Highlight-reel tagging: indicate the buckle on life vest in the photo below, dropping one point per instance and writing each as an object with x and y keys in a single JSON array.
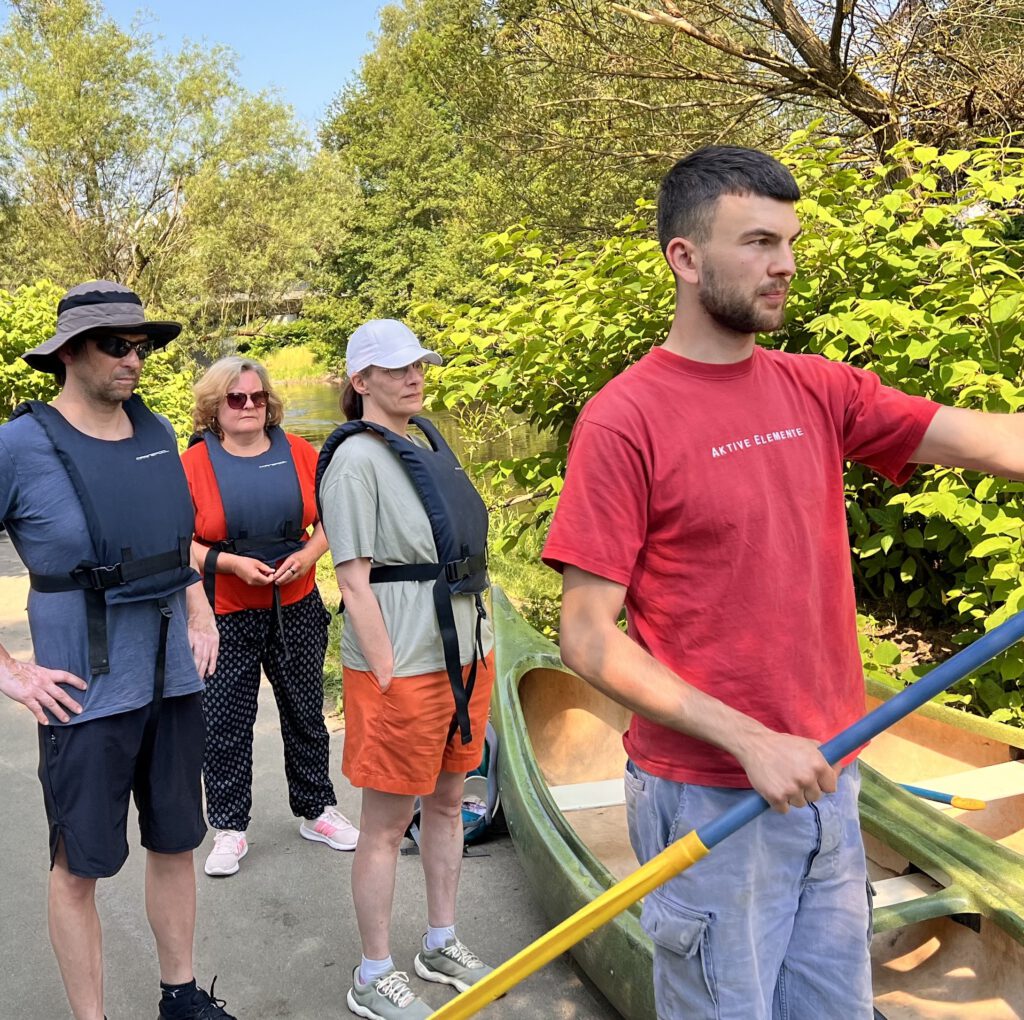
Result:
[
  {"x": 456, "y": 570},
  {"x": 99, "y": 578}
]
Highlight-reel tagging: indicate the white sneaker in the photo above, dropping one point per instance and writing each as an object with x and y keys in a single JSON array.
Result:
[
  {"x": 332, "y": 828},
  {"x": 229, "y": 847}
]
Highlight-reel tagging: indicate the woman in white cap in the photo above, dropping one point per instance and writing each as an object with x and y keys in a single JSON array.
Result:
[{"x": 407, "y": 533}]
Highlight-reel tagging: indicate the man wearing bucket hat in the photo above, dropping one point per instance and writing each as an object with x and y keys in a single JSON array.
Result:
[{"x": 95, "y": 500}]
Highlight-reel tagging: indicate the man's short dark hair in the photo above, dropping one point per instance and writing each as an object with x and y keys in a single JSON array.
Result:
[{"x": 692, "y": 188}]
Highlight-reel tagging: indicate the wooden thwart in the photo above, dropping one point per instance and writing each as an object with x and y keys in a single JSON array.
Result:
[
  {"x": 579, "y": 796},
  {"x": 890, "y": 892},
  {"x": 990, "y": 782}
]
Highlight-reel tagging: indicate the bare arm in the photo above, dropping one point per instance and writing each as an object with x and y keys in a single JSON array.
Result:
[
  {"x": 958, "y": 437},
  {"x": 203, "y": 636},
  {"x": 786, "y": 770},
  {"x": 37, "y": 687},
  {"x": 362, "y": 612}
]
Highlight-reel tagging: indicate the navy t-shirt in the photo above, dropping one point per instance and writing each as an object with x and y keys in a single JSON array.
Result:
[{"x": 43, "y": 516}]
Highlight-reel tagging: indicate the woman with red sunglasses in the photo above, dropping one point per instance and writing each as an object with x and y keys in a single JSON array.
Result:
[{"x": 257, "y": 542}]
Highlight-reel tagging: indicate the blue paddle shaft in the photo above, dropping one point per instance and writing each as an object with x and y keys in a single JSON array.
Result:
[{"x": 881, "y": 718}]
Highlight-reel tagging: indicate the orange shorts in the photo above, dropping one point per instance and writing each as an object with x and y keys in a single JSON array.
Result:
[{"x": 397, "y": 742}]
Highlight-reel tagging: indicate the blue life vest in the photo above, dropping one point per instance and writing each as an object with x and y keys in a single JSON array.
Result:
[
  {"x": 261, "y": 497},
  {"x": 138, "y": 513},
  {"x": 458, "y": 521},
  {"x": 262, "y": 502}
]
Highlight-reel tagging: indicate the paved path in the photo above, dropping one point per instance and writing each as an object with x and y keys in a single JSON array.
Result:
[{"x": 280, "y": 934}]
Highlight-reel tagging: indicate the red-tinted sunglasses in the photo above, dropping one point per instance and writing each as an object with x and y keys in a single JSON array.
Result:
[{"x": 236, "y": 401}]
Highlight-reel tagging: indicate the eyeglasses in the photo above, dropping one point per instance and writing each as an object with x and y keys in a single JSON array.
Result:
[
  {"x": 118, "y": 347},
  {"x": 236, "y": 401},
  {"x": 417, "y": 368}
]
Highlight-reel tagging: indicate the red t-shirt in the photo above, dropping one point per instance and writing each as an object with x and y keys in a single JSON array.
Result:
[
  {"x": 233, "y": 594},
  {"x": 714, "y": 493}
]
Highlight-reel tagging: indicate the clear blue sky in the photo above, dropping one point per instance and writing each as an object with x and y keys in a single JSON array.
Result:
[{"x": 305, "y": 49}]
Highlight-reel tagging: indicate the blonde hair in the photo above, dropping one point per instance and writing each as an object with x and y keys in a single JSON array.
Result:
[{"x": 216, "y": 382}]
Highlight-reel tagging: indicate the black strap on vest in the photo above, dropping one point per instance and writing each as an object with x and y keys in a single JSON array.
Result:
[
  {"x": 442, "y": 576},
  {"x": 94, "y": 579},
  {"x": 237, "y": 546},
  {"x": 463, "y": 575},
  {"x": 159, "y": 674}
]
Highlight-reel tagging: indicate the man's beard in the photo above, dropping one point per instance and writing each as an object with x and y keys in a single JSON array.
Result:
[
  {"x": 734, "y": 311},
  {"x": 110, "y": 392}
]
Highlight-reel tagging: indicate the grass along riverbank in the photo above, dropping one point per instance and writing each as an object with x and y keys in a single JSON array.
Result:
[{"x": 293, "y": 365}]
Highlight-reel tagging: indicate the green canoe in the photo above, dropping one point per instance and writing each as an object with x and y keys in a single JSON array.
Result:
[{"x": 949, "y": 903}]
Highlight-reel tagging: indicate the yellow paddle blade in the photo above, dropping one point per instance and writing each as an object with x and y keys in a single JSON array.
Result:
[
  {"x": 968, "y": 804},
  {"x": 672, "y": 860}
]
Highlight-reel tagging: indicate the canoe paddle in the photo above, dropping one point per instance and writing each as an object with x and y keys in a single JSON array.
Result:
[
  {"x": 699, "y": 842},
  {"x": 964, "y": 803}
]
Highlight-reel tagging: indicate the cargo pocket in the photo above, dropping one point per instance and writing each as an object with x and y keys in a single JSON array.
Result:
[{"x": 684, "y": 975}]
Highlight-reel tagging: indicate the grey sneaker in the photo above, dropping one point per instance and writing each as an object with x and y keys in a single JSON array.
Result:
[
  {"x": 387, "y": 998},
  {"x": 454, "y": 964}
]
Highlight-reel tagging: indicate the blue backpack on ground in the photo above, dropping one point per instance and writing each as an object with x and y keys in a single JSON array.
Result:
[{"x": 481, "y": 804}]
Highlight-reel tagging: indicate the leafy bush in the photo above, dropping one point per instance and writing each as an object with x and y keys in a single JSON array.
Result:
[
  {"x": 28, "y": 316},
  {"x": 912, "y": 269}
]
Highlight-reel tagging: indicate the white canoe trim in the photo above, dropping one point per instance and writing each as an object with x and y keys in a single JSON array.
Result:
[{"x": 580, "y": 796}]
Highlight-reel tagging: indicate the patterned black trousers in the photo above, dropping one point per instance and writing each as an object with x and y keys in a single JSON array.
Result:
[{"x": 250, "y": 639}]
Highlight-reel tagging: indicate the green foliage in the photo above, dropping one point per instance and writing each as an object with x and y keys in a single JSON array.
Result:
[
  {"x": 28, "y": 316},
  {"x": 916, "y": 275},
  {"x": 919, "y": 280},
  {"x": 565, "y": 324},
  {"x": 154, "y": 169}
]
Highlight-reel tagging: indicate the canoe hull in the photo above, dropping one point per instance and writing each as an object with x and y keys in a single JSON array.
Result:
[
  {"x": 926, "y": 964},
  {"x": 565, "y": 875}
]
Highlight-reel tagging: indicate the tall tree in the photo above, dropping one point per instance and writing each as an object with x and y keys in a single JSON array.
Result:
[
  {"x": 943, "y": 72},
  {"x": 157, "y": 171}
]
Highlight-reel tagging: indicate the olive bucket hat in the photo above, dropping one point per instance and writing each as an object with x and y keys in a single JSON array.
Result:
[{"x": 94, "y": 307}]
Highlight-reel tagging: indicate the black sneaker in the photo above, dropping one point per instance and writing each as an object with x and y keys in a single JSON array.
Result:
[{"x": 204, "y": 1006}]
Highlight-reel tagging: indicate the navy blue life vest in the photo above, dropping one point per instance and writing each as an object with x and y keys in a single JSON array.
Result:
[
  {"x": 262, "y": 501},
  {"x": 138, "y": 513},
  {"x": 458, "y": 521}
]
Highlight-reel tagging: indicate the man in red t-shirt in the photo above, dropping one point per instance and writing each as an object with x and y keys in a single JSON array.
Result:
[{"x": 704, "y": 492}]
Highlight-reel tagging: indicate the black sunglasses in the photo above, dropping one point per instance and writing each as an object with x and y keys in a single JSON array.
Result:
[
  {"x": 236, "y": 401},
  {"x": 118, "y": 347}
]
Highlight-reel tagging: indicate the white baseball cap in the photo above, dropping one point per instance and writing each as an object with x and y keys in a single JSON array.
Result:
[{"x": 387, "y": 343}]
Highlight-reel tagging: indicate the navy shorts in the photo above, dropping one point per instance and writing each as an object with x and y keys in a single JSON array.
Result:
[{"x": 89, "y": 770}]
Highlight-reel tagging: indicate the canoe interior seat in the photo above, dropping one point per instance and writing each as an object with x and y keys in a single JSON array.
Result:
[
  {"x": 991, "y": 782},
  {"x": 892, "y": 891},
  {"x": 580, "y": 796}
]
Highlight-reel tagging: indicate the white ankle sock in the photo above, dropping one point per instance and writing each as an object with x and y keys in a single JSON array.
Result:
[
  {"x": 438, "y": 938},
  {"x": 370, "y": 970}
]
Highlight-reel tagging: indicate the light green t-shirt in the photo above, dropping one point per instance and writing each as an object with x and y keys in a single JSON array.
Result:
[{"x": 371, "y": 509}]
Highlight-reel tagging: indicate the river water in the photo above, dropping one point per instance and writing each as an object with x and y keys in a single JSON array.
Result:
[{"x": 312, "y": 410}]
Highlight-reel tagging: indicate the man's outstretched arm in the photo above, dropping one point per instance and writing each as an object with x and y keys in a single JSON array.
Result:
[{"x": 958, "y": 437}]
